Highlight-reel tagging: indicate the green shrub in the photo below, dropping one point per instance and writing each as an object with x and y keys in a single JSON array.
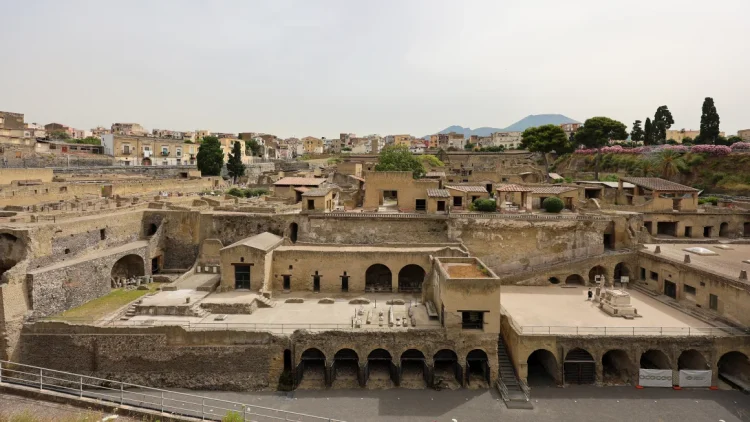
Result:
[
  {"x": 236, "y": 192},
  {"x": 249, "y": 193},
  {"x": 486, "y": 205},
  {"x": 232, "y": 417},
  {"x": 553, "y": 204},
  {"x": 610, "y": 178},
  {"x": 709, "y": 200}
]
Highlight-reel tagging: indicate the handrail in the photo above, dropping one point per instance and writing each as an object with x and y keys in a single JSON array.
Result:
[
  {"x": 716, "y": 331},
  {"x": 121, "y": 393},
  {"x": 525, "y": 388},
  {"x": 503, "y": 389}
]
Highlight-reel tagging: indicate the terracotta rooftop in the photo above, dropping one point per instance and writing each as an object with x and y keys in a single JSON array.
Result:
[
  {"x": 655, "y": 183},
  {"x": 303, "y": 190},
  {"x": 512, "y": 188},
  {"x": 438, "y": 193},
  {"x": 300, "y": 181},
  {"x": 468, "y": 188},
  {"x": 552, "y": 190}
]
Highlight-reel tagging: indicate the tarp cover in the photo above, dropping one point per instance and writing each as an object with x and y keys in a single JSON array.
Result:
[
  {"x": 655, "y": 378},
  {"x": 695, "y": 378}
]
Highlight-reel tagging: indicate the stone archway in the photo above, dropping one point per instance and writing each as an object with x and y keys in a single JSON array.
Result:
[
  {"x": 12, "y": 251},
  {"x": 312, "y": 369},
  {"x": 128, "y": 266},
  {"x": 477, "y": 369},
  {"x": 617, "y": 368},
  {"x": 622, "y": 270},
  {"x": 542, "y": 368},
  {"x": 414, "y": 373},
  {"x": 345, "y": 368},
  {"x": 597, "y": 270},
  {"x": 410, "y": 279},
  {"x": 655, "y": 359},
  {"x": 692, "y": 359},
  {"x": 575, "y": 279},
  {"x": 378, "y": 278},
  {"x": 446, "y": 368},
  {"x": 724, "y": 229},
  {"x": 579, "y": 367},
  {"x": 380, "y": 369},
  {"x": 734, "y": 366},
  {"x": 293, "y": 229}
]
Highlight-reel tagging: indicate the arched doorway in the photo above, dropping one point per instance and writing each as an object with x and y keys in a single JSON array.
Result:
[
  {"x": 724, "y": 230},
  {"x": 413, "y": 369},
  {"x": 542, "y": 369},
  {"x": 575, "y": 279},
  {"x": 345, "y": 371},
  {"x": 477, "y": 369},
  {"x": 733, "y": 367},
  {"x": 293, "y": 228},
  {"x": 655, "y": 359},
  {"x": 151, "y": 229},
  {"x": 380, "y": 369},
  {"x": 378, "y": 278},
  {"x": 617, "y": 368},
  {"x": 312, "y": 369},
  {"x": 12, "y": 251},
  {"x": 554, "y": 280},
  {"x": 410, "y": 279},
  {"x": 286, "y": 379},
  {"x": 128, "y": 266},
  {"x": 622, "y": 270},
  {"x": 596, "y": 271},
  {"x": 447, "y": 371},
  {"x": 692, "y": 359},
  {"x": 579, "y": 367}
]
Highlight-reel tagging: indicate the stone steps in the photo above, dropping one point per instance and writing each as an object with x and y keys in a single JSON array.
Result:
[
  {"x": 515, "y": 399},
  {"x": 266, "y": 302}
]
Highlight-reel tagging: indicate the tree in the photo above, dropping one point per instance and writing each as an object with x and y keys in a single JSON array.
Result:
[
  {"x": 670, "y": 163},
  {"x": 544, "y": 139},
  {"x": 210, "y": 158},
  {"x": 89, "y": 140},
  {"x": 398, "y": 158},
  {"x": 709, "y": 123},
  {"x": 253, "y": 147},
  {"x": 648, "y": 132},
  {"x": 687, "y": 141},
  {"x": 636, "y": 134},
  {"x": 58, "y": 134},
  {"x": 597, "y": 132},
  {"x": 662, "y": 121},
  {"x": 442, "y": 155},
  {"x": 235, "y": 168},
  {"x": 733, "y": 139}
]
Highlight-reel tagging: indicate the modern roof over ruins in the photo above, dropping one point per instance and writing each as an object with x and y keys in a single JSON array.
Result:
[
  {"x": 300, "y": 181},
  {"x": 512, "y": 188},
  {"x": 264, "y": 241}
]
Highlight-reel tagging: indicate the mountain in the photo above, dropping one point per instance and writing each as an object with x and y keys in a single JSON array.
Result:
[{"x": 519, "y": 126}]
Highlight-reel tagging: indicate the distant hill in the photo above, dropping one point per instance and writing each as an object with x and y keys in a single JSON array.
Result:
[{"x": 519, "y": 126}]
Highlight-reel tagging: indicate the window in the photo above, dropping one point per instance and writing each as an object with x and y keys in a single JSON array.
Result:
[
  {"x": 458, "y": 201},
  {"x": 310, "y": 204},
  {"x": 287, "y": 282},
  {"x": 472, "y": 320},
  {"x": 688, "y": 289},
  {"x": 703, "y": 284},
  {"x": 421, "y": 205},
  {"x": 654, "y": 276},
  {"x": 164, "y": 150},
  {"x": 441, "y": 205},
  {"x": 103, "y": 234},
  {"x": 713, "y": 302},
  {"x": 178, "y": 152}
]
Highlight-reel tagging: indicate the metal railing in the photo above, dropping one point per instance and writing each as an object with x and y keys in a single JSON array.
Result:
[
  {"x": 633, "y": 331},
  {"x": 503, "y": 389},
  {"x": 155, "y": 399},
  {"x": 202, "y": 326}
]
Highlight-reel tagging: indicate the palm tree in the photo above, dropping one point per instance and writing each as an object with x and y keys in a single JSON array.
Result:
[
  {"x": 647, "y": 167},
  {"x": 670, "y": 163}
]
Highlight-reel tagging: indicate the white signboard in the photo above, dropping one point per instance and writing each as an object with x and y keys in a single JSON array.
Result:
[
  {"x": 655, "y": 378},
  {"x": 693, "y": 378},
  {"x": 624, "y": 279}
]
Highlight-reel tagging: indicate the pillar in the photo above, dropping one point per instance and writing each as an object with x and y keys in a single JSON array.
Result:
[
  {"x": 599, "y": 368},
  {"x": 361, "y": 374},
  {"x": 430, "y": 368},
  {"x": 328, "y": 374},
  {"x": 397, "y": 375}
]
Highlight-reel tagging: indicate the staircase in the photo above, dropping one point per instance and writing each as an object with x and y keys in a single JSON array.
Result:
[
  {"x": 513, "y": 391},
  {"x": 264, "y": 302},
  {"x": 131, "y": 311}
]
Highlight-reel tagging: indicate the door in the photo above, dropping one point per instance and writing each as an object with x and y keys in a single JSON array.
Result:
[
  {"x": 287, "y": 282},
  {"x": 441, "y": 205},
  {"x": 713, "y": 302},
  {"x": 344, "y": 282},
  {"x": 241, "y": 276},
  {"x": 316, "y": 282},
  {"x": 670, "y": 289}
]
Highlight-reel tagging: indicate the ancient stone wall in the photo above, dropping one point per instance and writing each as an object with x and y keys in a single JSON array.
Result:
[
  {"x": 368, "y": 231},
  {"x": 9, "y": 175}
]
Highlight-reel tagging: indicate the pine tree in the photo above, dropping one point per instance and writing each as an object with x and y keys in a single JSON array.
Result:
[
  {"x": 597, "y": 132},
  {"x": 210, "y": 159},
  {"x": 662, "y": 122},
  {"x": 709, "y": 123},
  {"x": 235, "y": 168},
  {"x": 636, "y": 135},
  {"x": 648, "y": 132}
]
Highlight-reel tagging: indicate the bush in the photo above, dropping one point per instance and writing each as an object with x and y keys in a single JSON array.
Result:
[
  {"x": 236, "y": 192},
  {"x": 486, "y": 205},
  {"x": 709, "y": 200},
  {"x": 553, "y": 204},
  {"x": 247, "y": 193},
  {"x": 232, "y": 417}
]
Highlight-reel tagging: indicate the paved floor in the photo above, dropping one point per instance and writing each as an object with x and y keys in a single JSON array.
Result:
[
  {"x": 16, "y": 407},
  {"x": 573, "y": 404},
  {"x": 561, "y": 307},
  {"x": 727, "y": 262}
]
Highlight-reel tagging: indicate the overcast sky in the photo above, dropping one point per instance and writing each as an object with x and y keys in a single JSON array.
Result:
[{"x": 299, "y": 68}]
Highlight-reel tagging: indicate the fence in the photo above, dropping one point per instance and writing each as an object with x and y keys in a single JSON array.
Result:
[
  {"x": 139, "y": 396},
  {"x": 633, "y": 331}
]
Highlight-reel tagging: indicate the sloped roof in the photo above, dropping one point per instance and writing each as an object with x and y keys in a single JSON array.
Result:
[
  {"x": 658, "y": 184},
  {"x": 438, "y": 193},
  {"x": 552, "y": 190},
  {"x": 468, "y": 188},
  {"x": 512, "y": 188},
  {"x": 435, "y": 174},
  {"x": 607, "y": 184},
  {"x": 317, "y": 192},
  {"x": 555, "y": 176},
  {"x": 300, "y": 181},
  {"x": 264, "y": 242}
]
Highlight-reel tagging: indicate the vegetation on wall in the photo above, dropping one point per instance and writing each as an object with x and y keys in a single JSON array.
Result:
[
  {"x": 398, "y": 158},
  {"x": 431, "y": 160}
]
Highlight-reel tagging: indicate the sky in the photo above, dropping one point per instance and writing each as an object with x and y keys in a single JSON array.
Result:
[{"x": 319, "y": 68}]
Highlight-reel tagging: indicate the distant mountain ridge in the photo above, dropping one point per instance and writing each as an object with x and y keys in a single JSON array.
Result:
[{"x": 519, "y": 126}]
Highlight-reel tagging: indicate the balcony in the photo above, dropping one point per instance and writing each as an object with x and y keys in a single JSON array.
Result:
[
  {"x": 126, "y": 152},
  {"x": 165, "y": 153}
]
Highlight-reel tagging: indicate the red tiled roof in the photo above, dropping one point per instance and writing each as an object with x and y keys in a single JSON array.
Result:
[
  {"x": 655, "y": 183},
  {"x": 300, "y": 181},
  {"x": 438, "y": 193},
  {"x": 512, "y": 188},
  {"x": 468, "y": 188},
  {"x": 551, "y": 190}
]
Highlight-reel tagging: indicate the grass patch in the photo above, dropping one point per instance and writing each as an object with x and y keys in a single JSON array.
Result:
[{"x": 98, "y": 308}]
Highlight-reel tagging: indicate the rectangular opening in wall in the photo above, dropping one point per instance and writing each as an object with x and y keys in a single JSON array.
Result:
[
  {"x": 666, "y": 228},
  {"x": 241, "y": 276},
  {"x": 287, "y": 282},
  {"x": 688, "y": 231},
  {"x": 441, "y": 205},
  {"x": 472, "y": 320},
  {"x": 103, "y": 234},
  {"x": 310, "y": 204},
  {"x": 643, "y": 273},
  {"x": 654, "y": 276},
  {"x": 647, "y": 225},
  {"x": 458, "y": 201},
  {"x": 421, "y": 205},
  {"x": 708, "y": 231},
  {"x": 689, "y": 290},
  {"x": 713, "y": 302}
]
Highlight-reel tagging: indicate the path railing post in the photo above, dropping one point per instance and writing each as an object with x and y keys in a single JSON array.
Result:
[
  {"x": 80, "y": 387},
  {"x": 41, "y": 379}
]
